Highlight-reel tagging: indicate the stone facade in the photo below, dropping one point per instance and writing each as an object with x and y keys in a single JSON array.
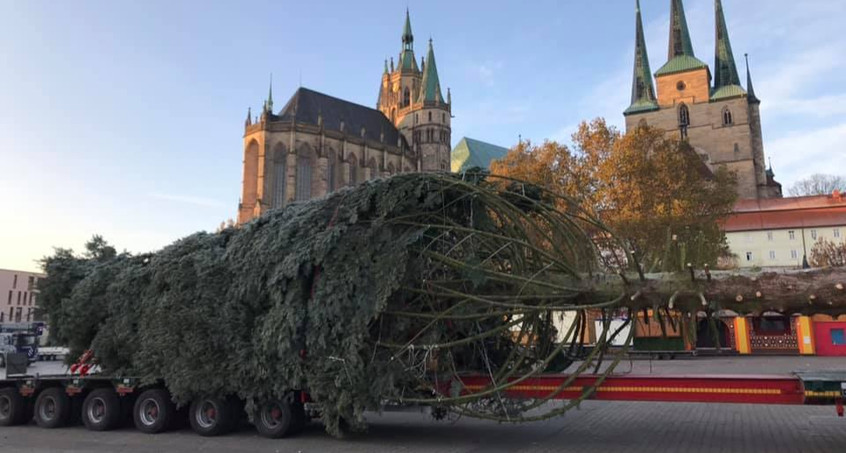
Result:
[
  {"x": 721, "y": 121},
  {"x": 317, "y": 143}
]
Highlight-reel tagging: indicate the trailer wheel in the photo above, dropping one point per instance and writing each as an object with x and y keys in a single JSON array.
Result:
[
  {"x": 276, "y": 419},
  {"x": 12, "y": 407},
  {"x": 211, "y": 416},
  {"x": 154, "y": 412},
  {"x": 101, "y": 410},
  {"x": 52, "y": 408}
]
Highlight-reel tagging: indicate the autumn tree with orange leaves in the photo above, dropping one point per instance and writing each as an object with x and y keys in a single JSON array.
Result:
[{"x": 654, "y": 192}]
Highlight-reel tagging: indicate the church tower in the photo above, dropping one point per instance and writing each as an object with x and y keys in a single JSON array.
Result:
[
  {"x": 411, "y": 97},
  {"x": 721, "y": 121}
]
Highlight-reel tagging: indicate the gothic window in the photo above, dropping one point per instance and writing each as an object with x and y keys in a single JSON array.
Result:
[
  {"x": 406, "y": 97},
  {"x": 727, "y": 118},
  {"x": 303, "y": 191},
  {"x": 280, "y": 178},
  {"x": 353, "y": 171},
  {"x": 684, "y": 120},
  {"x": 251, "y": 161},
  {"x": 443, "y": 118},
  {"x": 430, "y": 117},
  {"x": 331, "y": 172}
]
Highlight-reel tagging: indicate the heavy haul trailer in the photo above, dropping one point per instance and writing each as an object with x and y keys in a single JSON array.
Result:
[{"x": 104, "y": 403}]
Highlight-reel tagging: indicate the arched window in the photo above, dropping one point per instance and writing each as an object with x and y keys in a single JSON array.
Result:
[
  {"x": 352, "y": 177},
  {"x": 430, "y": 117},
  {"x": 304, "y": 165},
  {"x": 280, "y": 176},
  {"x": 727, "y": 117},
  {"x": 251, "y": 161},
  {"x": 332, "y": 172},
  {"x": 684, "y": 121},
  {"x": 406, "y": 97}
]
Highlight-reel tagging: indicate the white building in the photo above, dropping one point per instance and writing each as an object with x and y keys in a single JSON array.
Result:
[
  {"x": 18, "y": 295},
  {"x": 781, "y": 232}
]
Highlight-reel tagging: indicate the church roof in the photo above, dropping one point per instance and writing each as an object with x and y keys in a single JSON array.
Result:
[
  {"x": 431, "y": 91},
  {"x": 726, "y": 77},
  {"x": 471, "y": 153},
  {"x": 680, "y": 56},
  {"x": 643, "y": 90},
  {"x": 306, "y": 106}
]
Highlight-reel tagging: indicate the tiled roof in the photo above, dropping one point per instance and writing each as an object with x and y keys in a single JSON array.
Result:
[
  {"x": 728, "y": 92},
  {"x": 471, "y": 153},
  {"x": 307, "y": 105},
  {"x": 784, "y": 213}
]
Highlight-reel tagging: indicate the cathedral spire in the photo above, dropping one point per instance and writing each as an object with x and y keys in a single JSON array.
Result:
[
  {"x": 407, "y": 35},
  {"x": 749, "y": 88},
  {"x": 407, "y": 62},
  {"x": 431, "y": 91},
  {"x": 270, "y": 95},
  {"x": 680, "y": 43},
  {"x": 643, "y": 90},
  {"x": 725, "y": 69}
]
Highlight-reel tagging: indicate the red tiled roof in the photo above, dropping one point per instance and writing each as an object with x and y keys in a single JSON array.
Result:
[{"x": 783, "y": 213}]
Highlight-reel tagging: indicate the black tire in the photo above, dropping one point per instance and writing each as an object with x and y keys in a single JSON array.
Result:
[
  {"x": 211, "y": 416},
  {"x": 101, "y": 410},
  {"x": 52, "y": 408},
  {"x": 275, "y": 419},
  {"x": 154, "y": 412},
  {"x": 12, "y": 407}
]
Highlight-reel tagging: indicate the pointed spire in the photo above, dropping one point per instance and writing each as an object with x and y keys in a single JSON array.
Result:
[
  {"x": 270, "y": 95},
  {"x": 386, "y": 67},
  {"x": 407, "y": 63},
  {"x": 680, "y": 55},
  {"x": 407, "y": 36},
  {"x": 725, "y": 69},
  {"x": 249, "y": 120},
  {"x": 431, "y": 91},
  {"x": 749, "y": 88},
  {"x": 680, "y": 43},
  {"x": 643, "y": 90}
]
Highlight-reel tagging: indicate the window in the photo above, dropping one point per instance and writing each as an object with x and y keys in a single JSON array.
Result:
[
  {"x": 837, "y": 337},
  {"x": 727, "y": 118},
  {"x": 772, "y": 325},
  {"x": 430, "y": 117},
  {"x": 406, "y": 97},
  {"x": 794, "y": 255},
  {"x": 31, "y": 282},
  {"x": 748, "y": 256},
  {"x": 792, "y": 235},
  {"x": 19, "y": 298},
  {"x": 280, "y": 181},
  {"x": 353, "y": 176},
  {"x": 15, "y": 282},
  {"x": 443, "y": 118},
  {"x": 10, "y": 297},
  {"x": 2, "y": 316},
  {"x": 303, "y": 191},
  {"x": 813, "y": 234},
  {"x": 836, "y": 232},
  {"x": 11, "y": 313},
  {"x": 770, "y": 236},
  {"x": 330, "y": 173},
  {"x": 772, "y": 255},
  {"x": 684, "y": 120}
]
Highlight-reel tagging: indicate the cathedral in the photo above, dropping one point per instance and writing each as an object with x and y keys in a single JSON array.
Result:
[
  {"x": 711, "y": 111},
  {"x": 318, "y": 143}
]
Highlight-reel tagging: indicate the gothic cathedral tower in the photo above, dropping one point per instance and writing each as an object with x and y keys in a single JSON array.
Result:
[
  {"x": 411, "y": 97},
  {"x": 721, "y": 121}
]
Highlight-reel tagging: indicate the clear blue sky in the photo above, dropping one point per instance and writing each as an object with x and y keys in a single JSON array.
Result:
[{"x": 125, "y": 118}]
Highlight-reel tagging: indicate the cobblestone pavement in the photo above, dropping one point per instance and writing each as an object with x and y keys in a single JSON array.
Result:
[{"x": 596, "y": 427}]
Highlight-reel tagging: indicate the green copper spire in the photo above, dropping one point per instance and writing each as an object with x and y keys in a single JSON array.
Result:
[
  {"x": 680, "y": 43},
  {"x": 407, "y": 62},
  {"x": 407, "y": 36},
  {"x": 680, "y": 56},
  {"x": 643, "y": 90},
  {"x": 749, "y": 88},
  {"x": 725, "y": 69},
  {"x": 431, "y": 91}
]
